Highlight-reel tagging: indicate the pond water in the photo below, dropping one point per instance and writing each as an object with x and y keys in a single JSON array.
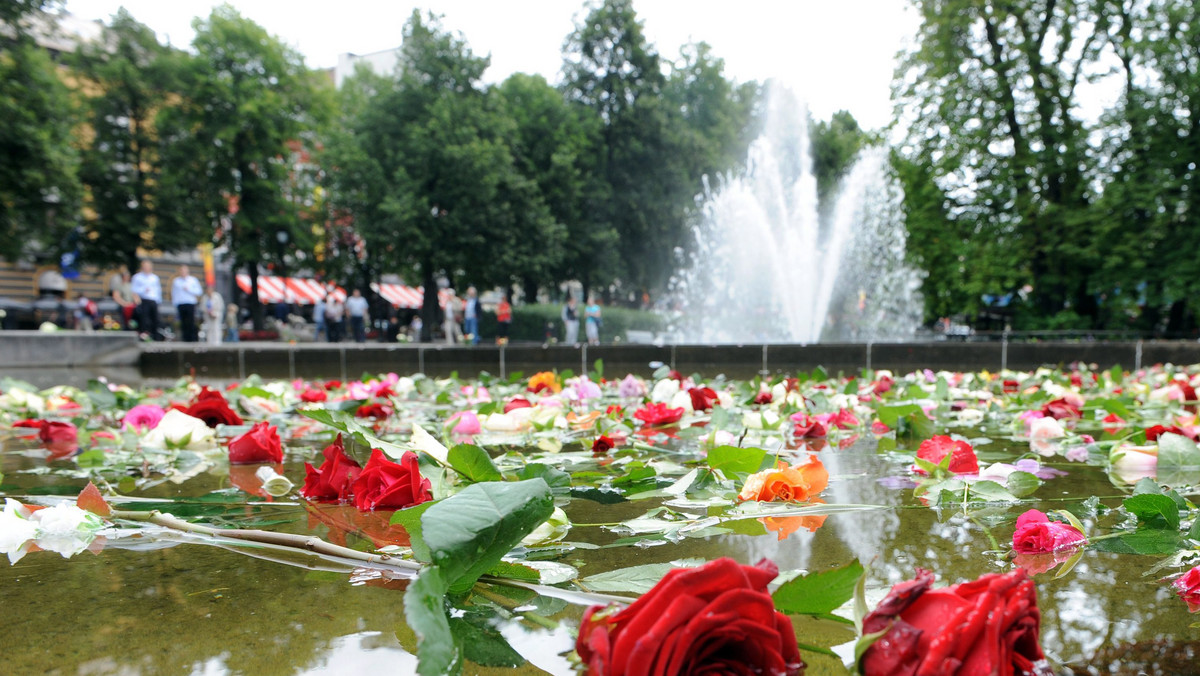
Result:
[{"x": 191, "y": 605}]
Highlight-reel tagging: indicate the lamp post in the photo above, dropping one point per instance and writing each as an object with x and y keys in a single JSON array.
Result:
[{"x": 281, "y": 238}]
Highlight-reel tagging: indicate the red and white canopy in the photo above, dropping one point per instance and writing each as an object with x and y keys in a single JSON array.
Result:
[
  {"x": 301, "y": 291},
  {"x": 402, "y": 296}
]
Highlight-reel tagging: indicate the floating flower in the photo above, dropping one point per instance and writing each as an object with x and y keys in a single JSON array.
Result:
[
  {"x": 384, "y": 484},
  {"x": 333, "y": 480},
  {"x": 986, "y": 626},
  {"x": 1042, "y": 435},
  {"x": 1132, "y": 463},
  {"x": 1068, "y": 407},
  {"x": 658, "y": 414},
  {"x": 260, "y": 444},
  {"x": 142, "y": 417},
  {"x": 373, "y": 410},
  {"x": 313, "y": 395},
  {"x": 703, "y": 398},
  {"x": 715, "y": 619},
  {"x": 544, "y": 381},
  {"x": 465, "y": 423},
  {"x": 631, "y": 387},
  {"x": 1037, "y": 534},
  {"x": 1113, "y": 423},
  {"x": 787, "y": 484},
  {"x": 962, "y": 460},
  {"x": 515, "y": 403},
  {"x": 808, "y": 427},
  {"x": 179, "y": 430},
  {"x": 211, "y": 407},
  {"x": 61, "y": 438},
  {"x": 1187, "y": 586},
  {"x": 603, "y": 444}
]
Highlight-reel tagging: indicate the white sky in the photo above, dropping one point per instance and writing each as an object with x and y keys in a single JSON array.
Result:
[{"x": 839, "y": 53}]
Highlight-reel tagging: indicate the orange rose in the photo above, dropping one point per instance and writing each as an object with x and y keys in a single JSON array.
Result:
[
  {"x": 784, "y": 526},
  {"x": 546, "y": 380},
  {"x": 787, "y": 484},
  {"x": 582, "y": 422}
]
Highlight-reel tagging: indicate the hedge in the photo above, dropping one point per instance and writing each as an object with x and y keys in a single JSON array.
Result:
[{"x": 529, "y": 323}]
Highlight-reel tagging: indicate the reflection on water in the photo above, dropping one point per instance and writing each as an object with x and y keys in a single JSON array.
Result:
[{"x": 205, "y": 610}]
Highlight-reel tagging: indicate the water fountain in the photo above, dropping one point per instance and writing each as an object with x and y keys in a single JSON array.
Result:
[{"x": 768, "y": 268}]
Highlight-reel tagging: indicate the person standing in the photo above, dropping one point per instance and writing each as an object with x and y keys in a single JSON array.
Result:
[
  {"x": 592, "y": 313},
  {"x": 319, "y": 319},
  {"x": 450, "y": 321},
  {"x": 121, "y": 289},
  {"x": 148, "y": 289},
  {"x": 570, "y": 318},
  {"x": 335, "y": 317},
  {"x": 185, "y": 292},
  {"x": 471, "y": 316},
  {"x": 504, "y": 318},
  {"x": 356, "y": 307},
  {"x": 233, "y": 324},
  {"x": 212, "y": 314}
]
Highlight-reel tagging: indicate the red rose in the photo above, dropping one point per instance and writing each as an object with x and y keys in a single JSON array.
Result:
[
  {"x": 332, "y": 384},
  {"x": 1011, "y": 386},
  {"x": 603, "y": 444},
  {"x": 703, "y": 398},
  {"x": 718, "y": 618},
  {"x": 1037, "y": 534},
  {"x": 962, "y": 461},
  {"x": 883, "y": 385},
  {"x": 261, "y": 444},
  {"x": 384, "y": 484},
  {"x": 764, "y": 397},
  {"x": 30, "y": 423},
  {"x": 313, "y": 396},
  {"x": 211, "y": 407},
  {"x": 658, "y": 414},
  {"x": 1187, "y": 587},
  {"x": 517, "y": 402},
  {"x": 987, "y": 626},
  {"x": 1061, "y": 409},
  {"x": 808, "y": 427},
  {"x": 57, "y": 433},
  {"x": 1155, "y": 431},
  {"x": 375, "y": 410},
  {"x": 614, "y": 411},
  {"x": 333, "y": 480}
]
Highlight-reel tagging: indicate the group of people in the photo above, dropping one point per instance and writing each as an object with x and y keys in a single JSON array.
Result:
[
  {"x": 330, "y": 315},
  {"x": 138, "y": 297},
  {"x": 592, "y": 321}
]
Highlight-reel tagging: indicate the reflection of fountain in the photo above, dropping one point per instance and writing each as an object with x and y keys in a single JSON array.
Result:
[{"x": 767, "y": 269}]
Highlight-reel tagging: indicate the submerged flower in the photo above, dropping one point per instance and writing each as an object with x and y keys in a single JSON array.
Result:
[{"x": 787, "y": 484}]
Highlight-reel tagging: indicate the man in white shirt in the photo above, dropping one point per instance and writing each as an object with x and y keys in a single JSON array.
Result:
[
  {"x": 148, "y": 290},
  {"x": 471, "y": 315},
  {"x": 185, "y": 291},
  {"x": 356, "y": 307}
]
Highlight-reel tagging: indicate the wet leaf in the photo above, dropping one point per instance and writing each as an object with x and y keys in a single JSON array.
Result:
[
  {"x": 1154, "y": 510},
  {"x": 818, "y": 593},
  {"x": 425, "y": 611},
  {"x": 473, "y": 463},
  {"x": 635, "y": 579},
  {"x": 483, "y": 645},
  {"x": 469, "y": 532}
]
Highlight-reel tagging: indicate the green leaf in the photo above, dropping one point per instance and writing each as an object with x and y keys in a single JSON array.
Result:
[
  {"x": 1022, "y": 484},
  {"x": 425, "y": 612},
  {"x": 1178, "y": 461},
  {"x": 410, "y": 519},
  {"x": 891, "y": 415},
  {"x": 469, "y": 532},
  {"x": 1143, "y": 542},
  {"x": 735, "y": 460},
  {"x": 473, "y": 463},
  {"x": 558, "y": 480},
  {"x": 634, "y": 579},
  {"x": 484, "y": 645},
  {"x": 95, "y": 457},
  {"x": 514, "y": 571},
  {"x": 102, "y": 397},
  {"x": 1154, "y": 510},
  {"x": 818, "y": 593}
]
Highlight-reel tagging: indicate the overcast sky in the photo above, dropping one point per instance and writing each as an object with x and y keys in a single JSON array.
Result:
[{"x": 840, "y": 53}]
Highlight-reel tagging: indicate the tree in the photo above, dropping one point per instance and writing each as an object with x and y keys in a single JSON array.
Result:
[
  {"x": 428, "y": 176},
  {"x": 555, "y": 145},
  {"x": 835, "y": 145},
  {"x": 227, "y": 147},
  {"x": 127, "y": 78},
  {"x": 39, "y": 183},
  {"x": 611, "y": 68},
  {"x": 991, "y": 91}
]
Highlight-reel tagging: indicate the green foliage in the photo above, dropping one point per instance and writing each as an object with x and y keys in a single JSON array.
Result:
[
  {"x": 733, "y": 460},
  {"x": 39, "y": 182},
  {"x": 818, "y": 593}
]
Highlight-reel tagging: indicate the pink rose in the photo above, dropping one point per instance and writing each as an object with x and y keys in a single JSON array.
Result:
[
  {"x": 142, "y": 417},
  {"x": 1037, "y": 534},
  {"x": 1187, "y": 587}
]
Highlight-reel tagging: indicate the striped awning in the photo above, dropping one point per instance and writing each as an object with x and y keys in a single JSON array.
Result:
[
  {"x": 402, "y": 296},
  {"x": 298, "y": 290}
]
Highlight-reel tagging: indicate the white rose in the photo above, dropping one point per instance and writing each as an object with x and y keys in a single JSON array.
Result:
[
  {"x": 664, "y": 390},
  {"x": 16, "y": 530},
  {"x": 178, "y": 429},
  {"x": 66, "y": 529},
  {"x": 682, "y": 400}
]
